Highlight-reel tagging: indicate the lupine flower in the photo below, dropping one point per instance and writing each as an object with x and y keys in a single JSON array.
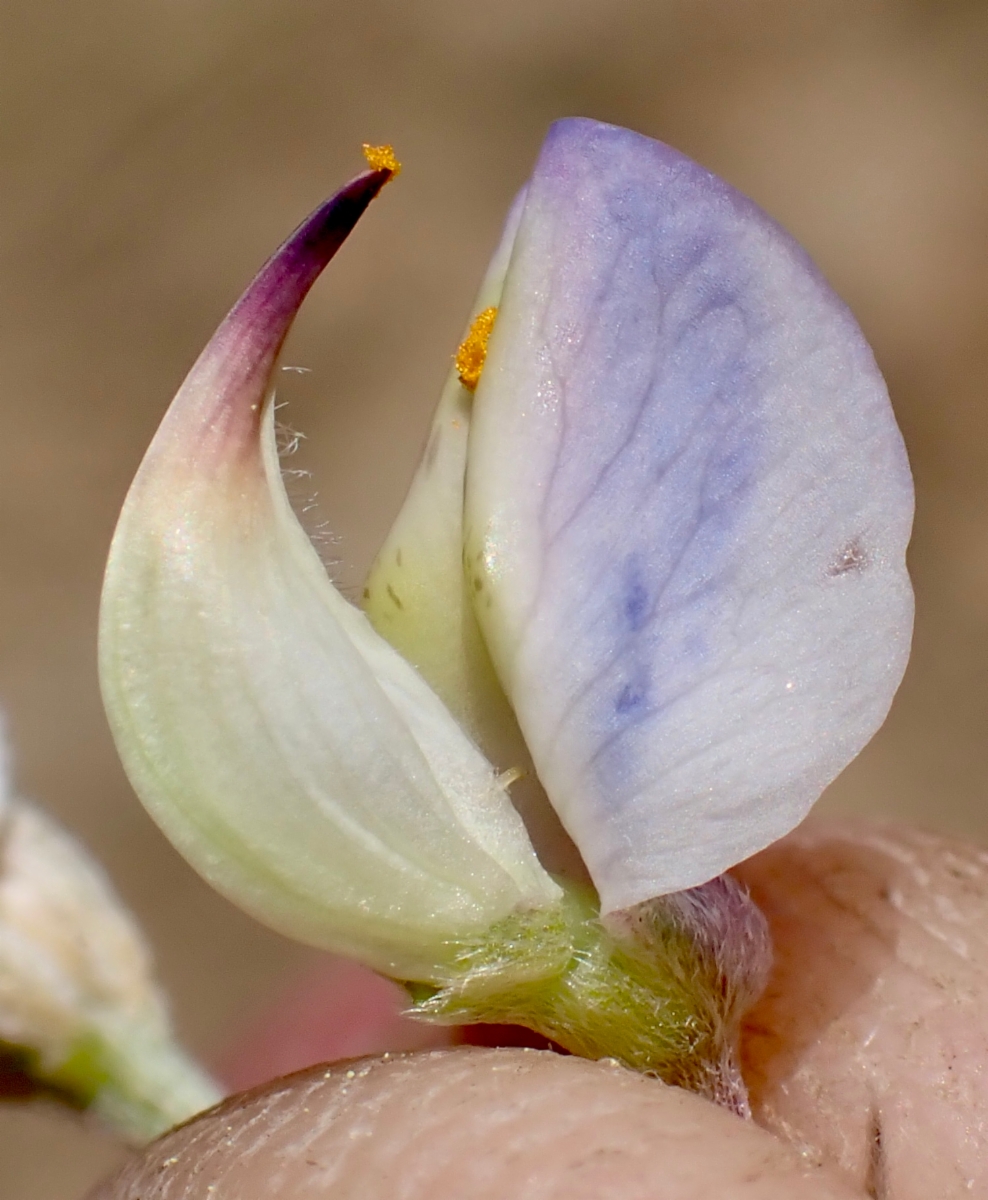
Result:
[
  {"x": 81, "y": 1015},
  {"x": 650, "y": 573}
]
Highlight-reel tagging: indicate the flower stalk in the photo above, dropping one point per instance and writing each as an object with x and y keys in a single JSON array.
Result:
[{"x": 660, "y": 989}]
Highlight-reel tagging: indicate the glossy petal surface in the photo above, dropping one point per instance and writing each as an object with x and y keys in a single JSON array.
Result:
[
  {"x": 417, "y": 596},
  {"x": 290, "y": 753},
  {"x": 687, "y": 510}
]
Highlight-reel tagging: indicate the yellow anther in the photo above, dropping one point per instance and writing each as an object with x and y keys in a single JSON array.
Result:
[
  {"x": 382, "y": 158},
  {"x": 473, "y": 349}
]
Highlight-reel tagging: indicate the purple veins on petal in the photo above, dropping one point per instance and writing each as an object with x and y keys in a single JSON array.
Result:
[{"x": 679, "y": 432}]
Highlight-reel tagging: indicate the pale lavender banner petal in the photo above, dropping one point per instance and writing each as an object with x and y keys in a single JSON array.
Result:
[{"x": 688, "y": 504}]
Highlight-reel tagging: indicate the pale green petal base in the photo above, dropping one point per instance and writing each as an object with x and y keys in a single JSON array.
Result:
[
  {"x": 151, "y": 1085},
  {"x": 660, "y": 988},
  {"x": 135, "y": 1079}
]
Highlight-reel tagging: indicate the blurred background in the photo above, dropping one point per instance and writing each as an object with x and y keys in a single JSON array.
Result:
[{"x": 153, "y": 152}]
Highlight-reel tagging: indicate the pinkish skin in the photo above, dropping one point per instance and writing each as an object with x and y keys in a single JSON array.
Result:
[
  {"x": 869, "y": 1049},
  {"x": 470, "y": 1125},
  {"x": 218, "y": 423},
  {"x": 338, "y": 1009}
]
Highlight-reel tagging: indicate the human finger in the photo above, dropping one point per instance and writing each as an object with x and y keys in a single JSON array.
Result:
[
  {"x": 869, "y": 1049},
  {"x": 471, "y": 1124}
]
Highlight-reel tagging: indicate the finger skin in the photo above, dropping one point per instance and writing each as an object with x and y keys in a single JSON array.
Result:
[
  {"x": 870, "y": 1047},
  {"x": 471, "y": 1124}
]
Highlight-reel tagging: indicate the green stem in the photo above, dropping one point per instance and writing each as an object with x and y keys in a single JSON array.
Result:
[
  {"x": 151, "y": 1083},
  {"x": 131, "y": 1074},
  {"x": 660, "y": 988}
]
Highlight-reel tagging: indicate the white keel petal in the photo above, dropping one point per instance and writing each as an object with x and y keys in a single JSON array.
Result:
[{"x": 298, "y": 762}]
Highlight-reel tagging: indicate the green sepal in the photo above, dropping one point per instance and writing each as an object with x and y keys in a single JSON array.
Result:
[{"x": 652, "y": 990}]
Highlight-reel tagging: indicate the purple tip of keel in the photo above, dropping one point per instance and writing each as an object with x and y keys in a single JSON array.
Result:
[
  {"x": 216, "y": 415},
  {"x": 253, "y": 332}
]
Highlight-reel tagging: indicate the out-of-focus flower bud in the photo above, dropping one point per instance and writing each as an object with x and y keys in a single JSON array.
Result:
[{"x": 80, "y": 1012}]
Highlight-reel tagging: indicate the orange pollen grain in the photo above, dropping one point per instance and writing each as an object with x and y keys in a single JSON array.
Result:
[
  {"x": 473, "y": 349},
  {"x": 382, "y": 158}
]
